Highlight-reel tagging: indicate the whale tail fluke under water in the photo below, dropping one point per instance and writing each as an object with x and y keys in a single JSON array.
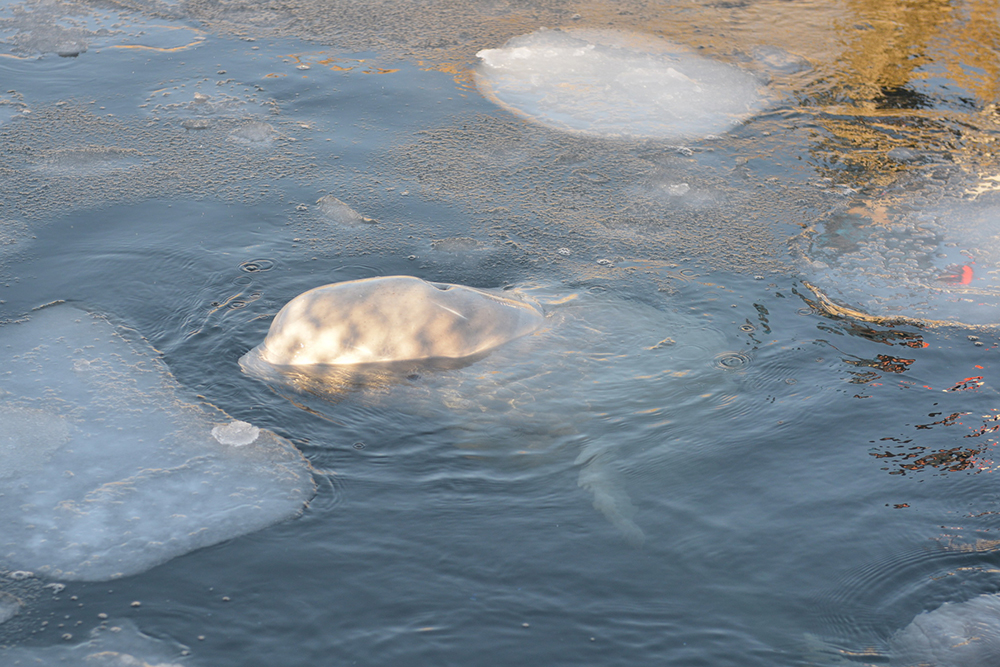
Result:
[{"x": 609, "y": 498}]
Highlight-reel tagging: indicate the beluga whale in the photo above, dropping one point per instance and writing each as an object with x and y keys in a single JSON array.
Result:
[{"x": 378, "y": 322}]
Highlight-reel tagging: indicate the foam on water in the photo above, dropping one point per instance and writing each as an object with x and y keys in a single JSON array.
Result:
[
  {"x": 108, "y": 470},
  {"x": 118, "y": 644},
  {"x": 615, "y": 83}
]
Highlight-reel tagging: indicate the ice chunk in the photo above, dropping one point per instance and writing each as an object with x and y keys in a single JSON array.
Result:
[
  {"x": 236, "y": 433},
  {"x": 889, "y": 263},
  {"x": 341, "y": 213},
  {"x": 388, "y": 319},
  {"x": 607, "y": 82},
  {"x": 118, "y": 645},
  {"x": 956, "y": 634},
  {"x": 108, "y": 470}
]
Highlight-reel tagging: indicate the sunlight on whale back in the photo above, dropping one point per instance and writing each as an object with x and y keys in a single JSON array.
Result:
[
  {"x": 614, "y": 83},
  {"x": 396, "y": 318},
  {"x": 956, "y": 634},
  {"x": 107, "y": 470}
]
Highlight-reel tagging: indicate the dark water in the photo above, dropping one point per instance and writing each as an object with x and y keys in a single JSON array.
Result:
[{"x": 783, "y": 484}]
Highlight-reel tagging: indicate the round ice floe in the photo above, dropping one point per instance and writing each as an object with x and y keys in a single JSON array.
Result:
[
  {"x": 616, "y": 83},
  {"x": 936, "y": 266},
  {"x": 956, "y": 634},
  {"x": 115, "y": 471},
  {"x": 396, "y": 318}
]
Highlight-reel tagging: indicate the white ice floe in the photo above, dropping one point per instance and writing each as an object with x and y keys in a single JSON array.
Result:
[
  {"x": 107, "y": 470},
  {"x": 613, "y": 83}
]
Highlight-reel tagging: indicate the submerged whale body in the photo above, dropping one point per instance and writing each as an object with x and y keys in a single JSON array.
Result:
[
  {"x": 390, "y": 319},
  {"x": 956, "y": 634},
  {"x": 614, "y": 83}
]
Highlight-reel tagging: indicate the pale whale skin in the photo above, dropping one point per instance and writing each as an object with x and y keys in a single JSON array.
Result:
[{"x": 390, "y": 319}]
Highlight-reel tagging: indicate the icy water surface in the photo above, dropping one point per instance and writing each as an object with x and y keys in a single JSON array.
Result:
[{"x": 756, "y": 426}]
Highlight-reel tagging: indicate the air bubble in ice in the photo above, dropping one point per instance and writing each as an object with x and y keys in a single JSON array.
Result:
[{"x": 606, "y": 82}]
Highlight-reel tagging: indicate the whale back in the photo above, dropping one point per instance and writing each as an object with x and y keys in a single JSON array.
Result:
[{"x": 393, "y": 318}]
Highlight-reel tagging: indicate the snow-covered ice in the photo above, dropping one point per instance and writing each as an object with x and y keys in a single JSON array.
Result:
[
  {"x": 107, "y": 469},
  {"x": 613, "y": 83}
]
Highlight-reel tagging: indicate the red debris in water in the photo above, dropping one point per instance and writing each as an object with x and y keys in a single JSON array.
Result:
[{"x": 958, "y": 275}]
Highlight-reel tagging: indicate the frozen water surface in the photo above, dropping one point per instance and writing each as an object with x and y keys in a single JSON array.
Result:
[
  {"x": 107, "y": 470},
  {"x": 617, "y": 84},
  {"x": 935, "y": 264},
  {"x": 694, "y": 460}
]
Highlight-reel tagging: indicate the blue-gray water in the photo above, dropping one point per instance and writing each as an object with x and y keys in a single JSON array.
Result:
[{"x": 788, "y": 486}]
